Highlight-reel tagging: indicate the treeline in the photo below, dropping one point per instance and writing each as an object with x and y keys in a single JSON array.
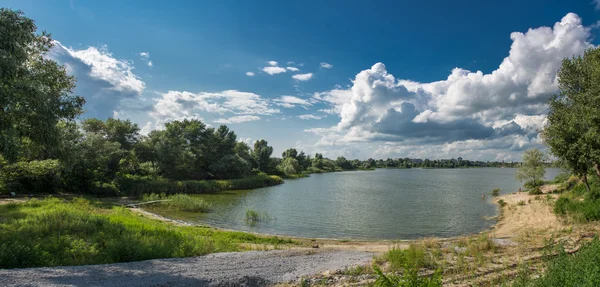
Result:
[
  {"x": 438, "y": 163},
  {"x": 44, "y": 147}
]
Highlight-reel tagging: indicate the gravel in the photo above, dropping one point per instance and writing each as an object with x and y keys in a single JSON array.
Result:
[{"x": 253, "y": 268}]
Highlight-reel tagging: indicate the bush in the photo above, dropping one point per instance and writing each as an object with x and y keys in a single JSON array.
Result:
[
  {"x": 413, "y": 256},
  {"x": 104, "y": 189},
  {"x": 533, "y": 184},
  {"x": 182, "y": 202},
  {"x": 495, "y": 192},
  {"x": 535, "y": 191},
  {"x": 410, "y": 278},
  {"x": 140, "y": 185},
  {"x": 502, "y": 202},
  {"x": 33, "y": 176}
]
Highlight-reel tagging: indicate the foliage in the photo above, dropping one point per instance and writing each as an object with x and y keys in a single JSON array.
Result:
[
  {"x": 410, "y": 278},
  {"x": 254, "y": 216},
  {"x": 532, "y": 167},
  {"x": 262, "y": 154},
  {"x": 573, "y": 129},
  {"x": 182, "y": 202},
  {"x": 35, "y": 92},
  {"x": 33, "y": 176},
  {"x": 290, "y": 166},
  {"x": 52, "y": 232},
  {"x": 579, "y": 269},
  {"x": 415, "y": 255},
  {"x": 502, "y": 203},
  {"x": 580, "y": 205},
  {"x": 495, "y": 192}
]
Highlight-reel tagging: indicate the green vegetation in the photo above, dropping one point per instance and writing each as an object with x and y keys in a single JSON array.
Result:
[
  {"x": 579, "y": 204},
  {"x": 532, "y": 168},
  {"x": 579, "y": 269},
  {"x": 415, "y": 255},
  {"x": 182, "y": 202},
  {"x": 410, "y": 262},
  {"x": 574, "y": 117},
  {"x": 55, "y": 232},
  {"x": 502, "y": 202},
  {"x": 496, "y": 192},
  {"x": 253, "y": 216},
  {"x": 410, "y": 278}
]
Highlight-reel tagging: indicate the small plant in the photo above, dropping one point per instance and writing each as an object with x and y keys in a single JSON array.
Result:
[
  {"x": 535, "y": 191},
  {"x": 253, "y": 216},
  {"x": 502, "y": 203},
  {"x": 495, "y": 192},
  {"x": 521, "y": 203}
]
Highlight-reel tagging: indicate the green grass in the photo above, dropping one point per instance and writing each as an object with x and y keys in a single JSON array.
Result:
[
  {"x": 56, "y": 232},
  {"x": 181, "y": 202},
  {"x": 579, "y": 269},
  {"x": 254, "y": 216},
  {"x": 579, "y": 204},
  {"x": 415, "y": 255}
]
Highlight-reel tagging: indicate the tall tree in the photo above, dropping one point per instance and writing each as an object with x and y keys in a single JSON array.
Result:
[
  {"x": 35, "y": 92},
  {"x": 262, "y": 154},
  {"x": 573, "y": 130},
  {"x": 532, "y": 167}
]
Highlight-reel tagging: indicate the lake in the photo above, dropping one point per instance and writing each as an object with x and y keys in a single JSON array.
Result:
[{"x": 380, "y": 204}]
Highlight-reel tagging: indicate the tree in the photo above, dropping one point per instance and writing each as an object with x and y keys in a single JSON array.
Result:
[
  {"x": 262, "y": 154},
  {"x": 532, "y": 167},
  {"x": 35, "y": 92},
  {"x": 290, "y": 166},
  {"x": 290, "y": 152},
  {"x": 573, "y": 130}
]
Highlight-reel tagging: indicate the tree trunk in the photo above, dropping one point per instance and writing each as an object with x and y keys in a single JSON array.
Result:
[
  {"x": 587, "y": 185},
  {"x": 597, "y": 168}
]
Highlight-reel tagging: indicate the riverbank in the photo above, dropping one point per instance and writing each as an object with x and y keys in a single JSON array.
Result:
[{"x": 526, "y": 229}]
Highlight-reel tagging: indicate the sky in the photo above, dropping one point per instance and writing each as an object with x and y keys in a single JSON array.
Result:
[{"x": 419, "y": 79}]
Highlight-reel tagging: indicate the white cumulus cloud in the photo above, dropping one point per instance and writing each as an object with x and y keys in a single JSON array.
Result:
[
  {"x": 250, "y": 74},
  {"x": 303, "y": 77},
  {"x": 326, "y": 65},
  {"x": 273, "y": 70},
  {"x": 237, "y": 119}
]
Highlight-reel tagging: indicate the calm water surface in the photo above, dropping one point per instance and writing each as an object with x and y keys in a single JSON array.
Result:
[{"x": 380, "y": 204}]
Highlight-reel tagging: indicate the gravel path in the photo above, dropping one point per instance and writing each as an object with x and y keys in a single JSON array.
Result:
[{"x": 253, "y": 268}]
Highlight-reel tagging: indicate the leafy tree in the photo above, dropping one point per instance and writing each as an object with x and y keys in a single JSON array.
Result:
[
  {"x": 243, "y": 150},
  {"x": 262, "y": 154},
  {"x": 573, "y": 130},
  {"x": 532, "y": 167},
  {"x": 343, "y": 163},
  {"x": 318, "y": 161},
  {"x": 291, "y": 152},
  {"x": 35, "y": 92},
  {"x": 290, "y": 166}
]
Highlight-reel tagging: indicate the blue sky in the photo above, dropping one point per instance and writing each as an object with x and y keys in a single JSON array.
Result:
[{"x": 429, "y": 79}]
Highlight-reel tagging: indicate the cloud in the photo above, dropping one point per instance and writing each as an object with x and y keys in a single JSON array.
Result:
[
  {"x": 273, "y": 70},
  {"x": 145, "y": 56},
  {"x": 237, "y": 119},
  {"x": 309, "y": 117},
  {"x": 302, "y": 77},
  {"x": 250, "y": 74},
  {"x": 176, "y": 105},
  {"x": 329, "y": 66},
  {"x": 596, "y": 4},
  {"x": 294, "y": 69},
  {"x": 469, "y": 111},
  {"x": 291, "y": 101},
  {"x": 272, "y": 63},
  {"x": 107, "y": 83}
]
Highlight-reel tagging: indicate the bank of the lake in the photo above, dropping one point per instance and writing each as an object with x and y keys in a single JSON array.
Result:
[{"x": 385, "y": 204}]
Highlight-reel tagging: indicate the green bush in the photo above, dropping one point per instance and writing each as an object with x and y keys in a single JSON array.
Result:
[
  {"x": 103, "y": 189},
  {"x": 253, "y": 216},
  {"x": 533, "y": 184},
  {"x": 410, "y": 278},
  {"x": 33, "y": 176},
  {"x": 495, "y": 192},
  {"x": 502, "y": 202},
  {"x": 140, "y": 185},
  {"x": 535, "y": 191},
  {"x": 413, "y": 256}
]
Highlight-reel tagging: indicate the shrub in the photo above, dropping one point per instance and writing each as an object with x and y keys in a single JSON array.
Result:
[
  {"x": 104, "y": 189},
  {"x": 410, "y": 278},
  {"x": 414, "y": 256},
  {"x": 495, "y": 192},
  {"x": 535, "y": 191},
  {"x": 502, "y": 202},
  {"x": 533, "y": 184},
  {"x": 521, "y": 203},
  {"x": 33, "y": 176}
]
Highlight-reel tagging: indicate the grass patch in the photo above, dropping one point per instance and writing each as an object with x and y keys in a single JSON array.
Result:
[
  {"x": 579, "y": 204},
  {"x": 55, "y": 232},
  {"x": 415, "y": 255},
  {"x": 254, "y": 216},
  {"x": 181, "y": 202},
  {"x": 579, "y": 269}
]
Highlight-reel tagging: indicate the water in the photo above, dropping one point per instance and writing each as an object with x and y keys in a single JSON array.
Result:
[{"x": 380, "y": 204}]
